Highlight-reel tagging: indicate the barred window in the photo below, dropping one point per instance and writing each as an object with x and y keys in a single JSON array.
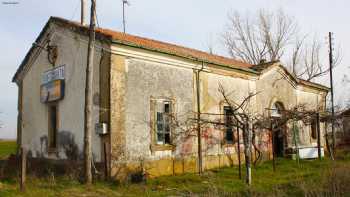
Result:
[
  {"x": 229, "y": 137},
  {"x": 163, "y": 122}
]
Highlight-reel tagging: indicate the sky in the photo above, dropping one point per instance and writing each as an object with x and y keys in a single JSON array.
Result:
[{"x": 192, "y": 23}]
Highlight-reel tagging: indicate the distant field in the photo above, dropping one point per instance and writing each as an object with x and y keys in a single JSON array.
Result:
[{"x": 7, "y": 147}]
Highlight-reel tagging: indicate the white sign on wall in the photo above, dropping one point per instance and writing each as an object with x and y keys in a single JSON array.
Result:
[{"x": 53, "y": 74}]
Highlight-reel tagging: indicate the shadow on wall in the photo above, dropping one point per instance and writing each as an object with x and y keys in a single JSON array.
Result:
[{"x": 65, "y": 144}]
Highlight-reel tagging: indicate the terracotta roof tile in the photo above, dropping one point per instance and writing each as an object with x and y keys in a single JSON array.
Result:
[{"x": 162, "y": 46}]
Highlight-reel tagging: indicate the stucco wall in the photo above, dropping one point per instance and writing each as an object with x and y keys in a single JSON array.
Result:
[
  {"x": 273, "y": 86},
  {"x": 212, "y": 102},
  {"x": 146, "y": 81},
  {"x": 72, "y": 53},
  {"x": 276, "y": 86}
]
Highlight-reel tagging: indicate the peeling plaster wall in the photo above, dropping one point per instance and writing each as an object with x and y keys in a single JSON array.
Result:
[
  {"x": 275, "y": 86},
  {"x": 146, "y": 80},
  {"x": 313, "y": 100},
  {"x": 212, "y": 102},
  {"x": 72, "y": 52}
]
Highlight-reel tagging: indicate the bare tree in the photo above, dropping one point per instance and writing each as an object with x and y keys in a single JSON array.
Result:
[{"x": 272, "y": 36}]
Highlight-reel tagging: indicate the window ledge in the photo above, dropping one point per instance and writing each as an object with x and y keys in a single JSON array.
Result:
[{"x": 162, "y": 147}]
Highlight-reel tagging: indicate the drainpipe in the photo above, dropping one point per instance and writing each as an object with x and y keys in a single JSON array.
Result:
[{"x": 200, "y": 158}]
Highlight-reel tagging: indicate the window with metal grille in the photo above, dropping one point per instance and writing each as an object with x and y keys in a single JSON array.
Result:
[
  {"x": 163, "y": 122},
  {"x": 229, "y": 137}
]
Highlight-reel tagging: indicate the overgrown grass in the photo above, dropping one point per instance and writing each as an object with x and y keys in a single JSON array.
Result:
[
  {"x": 309, "y": 178},
  {"x": 7, "y": 147}
]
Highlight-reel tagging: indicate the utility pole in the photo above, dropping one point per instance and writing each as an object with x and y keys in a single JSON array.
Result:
[
  {"x": 332, "y": 90},
  {"x": 82, "y": 12},
  {"x": 127, "y": 3},
  {"x": 88, "y": 96}
]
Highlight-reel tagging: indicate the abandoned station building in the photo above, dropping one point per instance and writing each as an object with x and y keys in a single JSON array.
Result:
[{"x": 137, "y": 82}]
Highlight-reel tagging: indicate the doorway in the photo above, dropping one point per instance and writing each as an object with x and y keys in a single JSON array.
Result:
[
  {"x": 279, "y": 143},
  {"x": 277, "y": 114}
]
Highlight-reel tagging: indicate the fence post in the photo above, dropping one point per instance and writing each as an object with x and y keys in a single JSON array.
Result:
[
  {"x": 273, "y": 147},
  {"x": 318, "y": 136},
  {"x": 105, "y": 154},
  {"x": 23, "y": 168}
]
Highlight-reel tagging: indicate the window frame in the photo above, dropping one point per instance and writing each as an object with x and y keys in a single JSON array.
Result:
[
  {"x": 155, "y": 146},
  {"x": 52, "y": 134},
  {"x": 232, "y": 128},
  {"x": 313, "y": 130}
]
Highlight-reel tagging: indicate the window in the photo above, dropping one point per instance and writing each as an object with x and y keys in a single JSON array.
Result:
[
  {"x": 313, "y": 130},
  {"x": 163, "y": 122},
  {"x": 229, "y": 138},
  {"x": 53, "y": 123}
]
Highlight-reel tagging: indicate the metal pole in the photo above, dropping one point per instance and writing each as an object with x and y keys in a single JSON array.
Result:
[
  {"x": 82, "y": 12},
  {"x": 199, "y": 126},
  {"x": 273, "y": 148},
  {"x": 88, "y": 96},
  {"x": 332, "y": 90},
  {"x": 124, "y": 2}
]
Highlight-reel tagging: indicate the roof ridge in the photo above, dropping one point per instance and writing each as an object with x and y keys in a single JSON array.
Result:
[{"x": 125, "y": 37}]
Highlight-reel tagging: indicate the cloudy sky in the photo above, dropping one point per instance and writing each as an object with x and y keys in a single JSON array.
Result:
[{"x": 191, "y": 23}]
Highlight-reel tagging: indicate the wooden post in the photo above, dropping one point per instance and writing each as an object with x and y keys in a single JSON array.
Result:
[
  {"x": 88, "y": 96},
  {"x": 106, "y": 160},
  {"x": 273, "y": 147},
  {"x": 318, "y": 136},
  {"x": 332, "y": 153},
  {"x": 239, "y": 155},
  {"x": 173, "y": 166},
  {"x": 23, "y": 169}
]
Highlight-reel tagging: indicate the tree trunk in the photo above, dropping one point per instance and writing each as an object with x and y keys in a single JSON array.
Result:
[
  {"x": 247, "y": 152},
  {"x": 328, "y": 146},
  {"x": 239, "y": 155}
]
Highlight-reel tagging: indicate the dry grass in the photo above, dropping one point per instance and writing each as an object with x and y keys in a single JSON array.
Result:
[{"x": 310, "y": 178}]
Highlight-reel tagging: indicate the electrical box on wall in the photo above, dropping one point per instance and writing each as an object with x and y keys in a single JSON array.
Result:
[{"x": 101, "y": 128}]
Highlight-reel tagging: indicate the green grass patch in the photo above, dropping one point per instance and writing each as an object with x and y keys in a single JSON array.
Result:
[
  {"x": 7, "y": 147},
  {"x": 290, "y": 179}
]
